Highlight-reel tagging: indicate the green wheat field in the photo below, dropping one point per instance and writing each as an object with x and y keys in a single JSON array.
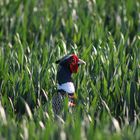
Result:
[{"x": 105, "y": 34}]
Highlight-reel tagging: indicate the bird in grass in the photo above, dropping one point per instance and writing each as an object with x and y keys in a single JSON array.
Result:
[{"x": 66, "y": 67}]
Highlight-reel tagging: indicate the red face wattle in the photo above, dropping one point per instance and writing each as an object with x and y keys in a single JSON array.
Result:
[{"x": 73, "y": 60}]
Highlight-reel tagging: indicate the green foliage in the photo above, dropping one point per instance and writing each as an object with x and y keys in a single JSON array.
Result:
[{"x": 35, "y": 33}]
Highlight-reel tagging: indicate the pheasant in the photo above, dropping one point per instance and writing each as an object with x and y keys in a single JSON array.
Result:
[{"x": 66, "y": 67}]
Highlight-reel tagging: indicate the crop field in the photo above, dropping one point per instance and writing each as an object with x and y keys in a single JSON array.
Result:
[{"x": 36, "y": 33}]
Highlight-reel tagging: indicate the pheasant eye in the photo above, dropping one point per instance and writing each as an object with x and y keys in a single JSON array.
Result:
[{"x": 72, "y": 60}]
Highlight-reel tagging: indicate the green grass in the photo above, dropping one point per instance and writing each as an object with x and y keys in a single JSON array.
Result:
[{"x": 35, "y": 33}]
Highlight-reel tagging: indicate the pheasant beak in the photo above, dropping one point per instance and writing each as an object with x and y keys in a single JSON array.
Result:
[{"x": 80, "y": 61}]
